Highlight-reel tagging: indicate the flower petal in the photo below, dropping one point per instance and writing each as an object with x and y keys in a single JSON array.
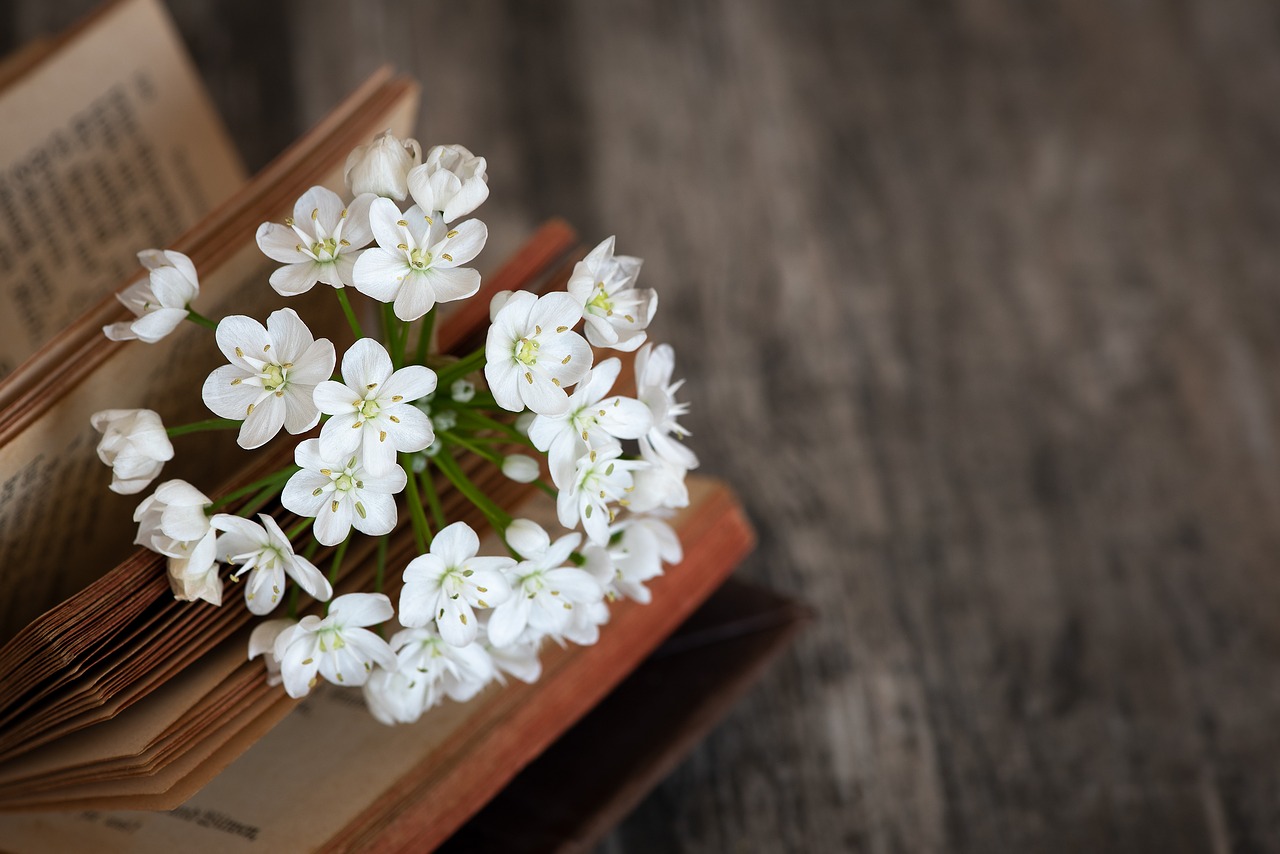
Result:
[
  {"x": 237, "y": 332},
  {"x": 361, "y": 609},
  {"x": 225, "y": 399},
  {"x": 379, "y": 273},
  {"x": 280, "y": 243},
  {"x": 453, "y": 283},
  {"x": 455, "y": 543},
  {"x": 262, "y": 424},
  {"x": 469, "y": 238},
  {"x": 379, "y": 514},
  {"x": 364, "y": 363},
  {"x": 292, "y": 279},
  {"x": 299, "y": 495}
]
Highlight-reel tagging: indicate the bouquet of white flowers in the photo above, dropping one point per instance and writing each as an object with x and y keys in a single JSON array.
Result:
[{"x": 398, "y": 413}]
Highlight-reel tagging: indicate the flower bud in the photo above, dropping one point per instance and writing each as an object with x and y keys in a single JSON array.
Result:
[
  {"x": 135, "y": 445},
  {"x": 382, "y": 167},
  {"x": 451, "y": 181},
  {"x": 463, "y": 390},
  {"x": 520, "y": 468},
  {"x": 497, "y": 302}
]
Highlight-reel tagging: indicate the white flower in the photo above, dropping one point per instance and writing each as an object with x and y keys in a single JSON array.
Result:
[
  {"x": 160, "y": 301},
  {"x": 616, "y": 311},
  {"x": 447, "y": 584},
  {"x": 594, "y": 481},
  {"x": 451, "y": 181},
  {"x": 382, "y": 167},
  {"x": 135, "y": 445},
  {"x": 545, "y": 591},
  {"x": 262, "y": 642},
  {"x": 174, "y": 512},
  {"x": 340, "y": 494},
  {"x": 658, "y": 484},
  {"x": 637, "y": 548},
  {"x": 272, "y": 375},
  {"x": 372, "y": 410},
  {"x": 172, "y": 521},
  {"x": 418, "y": 260},
  {"x": 266, "y": 554},
  {"x": 193, "y": 569},
  {"x": 337, "y": 647},
  {"x": 463, "y": 390},
  {"x": 521, "y": 468},
  {"x": 319, "y": 243},
  {"x": 428, "y": 669},
  {"x": 496, "y": 302},
  {"x": 584, "y": 625},
  {"x": 654, "y": 366},
  {"x": 532, "y": 352},
  {"x": 591, "y": 421},
  {"x": 518, "y": 659}
]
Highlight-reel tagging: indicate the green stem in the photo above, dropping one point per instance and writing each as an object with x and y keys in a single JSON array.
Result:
[
  {"x": 259, "y": 501},
  {"x": 433, "y": 497},
  {"x": 421, "y": 533},
  {"x": 283, "y": 474},
  {"x": 381, "y": 570},
  {"x": 389, "y": 336},
  {"x": 297, "y": 529},
  {"x": 424, "y": 337},
  {"x": 484, "y": 422},
  {"x": 485, "y": 453},
  {"x": 445, "y": 376},
  {"x": 497, "y": 517},
  {"x": 293, "y": 601},
  {"x": 199, "y": 426},
  {"x": 310, "y": 550},
  {"x": 482, "y": 400},
  {"x": 333, "y": 569},
  {"x": 351, "y": 315},
  {"x": 200, "y": 320}
]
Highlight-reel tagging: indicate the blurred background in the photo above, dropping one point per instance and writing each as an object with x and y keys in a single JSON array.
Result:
[{"x": 978, "y": 305}]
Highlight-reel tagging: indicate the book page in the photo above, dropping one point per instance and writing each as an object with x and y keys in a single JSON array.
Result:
[
  {"x": 109, "y": 145},
  {"x": 51, "y": 480},
  {"x": 330, "y": 766}
]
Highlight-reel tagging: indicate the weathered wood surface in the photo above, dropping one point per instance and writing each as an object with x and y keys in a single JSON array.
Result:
[{"x": 980, "y": 307}]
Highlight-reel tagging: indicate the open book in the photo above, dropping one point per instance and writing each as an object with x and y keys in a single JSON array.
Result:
[{"x": 114, "y": 696}]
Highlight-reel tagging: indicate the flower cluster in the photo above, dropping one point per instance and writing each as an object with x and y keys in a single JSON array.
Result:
[{"x": 376, "y": 439}]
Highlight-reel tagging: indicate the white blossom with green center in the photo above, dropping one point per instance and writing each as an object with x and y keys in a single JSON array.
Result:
[
  {"x": 272, "y": 375},
  {"x": 638, "y": 546},
  {"x": 319, "y": 243},
  {"x": 444, "y": 587},
  {"x": 532, "y": 354},
  {"x": 616, "y": 311},
  {"x": 427, "y": 670},
  {"x": 418, "y": 260},
  {"x": 594, "y": 484},
  {"x": 545, "y": 591},
  {"x": 591, "y": 421},
  {"x": 265, "y": 553},
  {"x": 337, "y": 647},
  {"x": 373, "y": 415},
  {"x": 340, "y": 494}
]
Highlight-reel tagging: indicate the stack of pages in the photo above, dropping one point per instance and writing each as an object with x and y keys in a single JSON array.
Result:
[{"x": 114, "y": 697}]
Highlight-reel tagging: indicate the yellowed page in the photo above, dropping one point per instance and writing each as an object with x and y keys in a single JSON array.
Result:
[{"x": 107, "y": 146}]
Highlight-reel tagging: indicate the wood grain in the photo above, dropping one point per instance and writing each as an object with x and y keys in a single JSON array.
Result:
[{"x": 978, "y": 304}]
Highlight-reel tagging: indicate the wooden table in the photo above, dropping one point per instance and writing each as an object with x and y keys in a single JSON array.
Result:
[{"x": 980, "y": 307}]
